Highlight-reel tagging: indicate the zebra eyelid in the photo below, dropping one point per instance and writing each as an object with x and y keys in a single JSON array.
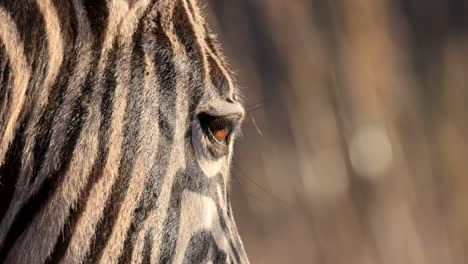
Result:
[{"x": 221, "y": 108}]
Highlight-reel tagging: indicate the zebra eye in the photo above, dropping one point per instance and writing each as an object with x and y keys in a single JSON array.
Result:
[{"x": 218, "y": 129}]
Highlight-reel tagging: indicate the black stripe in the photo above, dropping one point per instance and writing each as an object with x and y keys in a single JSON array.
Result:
[
  {"x": 11, "y": 162},
  {"x": 54, "y": 101},
  {"x": 190, "y": 179},
  {"x": 9, "y": 171},
  {"x": 31, "y": 30},
  {"x": 210, "y": 41},
  {"x": 96, "y": 172},
  {"x": 218, "y": 79},
  {"x": 30, "y": 26},
  {"x": 207, "y": 187},
  {"x": 56, "y": 97},
  {"x": 69, "y": 25},
  {"x": 147, "y": 248},
  {"x": 44, "y": 131},
  {"x": 164, "y": 66},
  {"x": 98, "y": 14},
  {"x": 35, "y": 204},
  {"x": 202, "y": 248},
  {"x": 235, "y": 248},
  {"x": 130, "y": 147},
  {"x": 172, "y": 223},
  {"x": 26, "y": 215},
  {"x": 222, "y": 219},
  {"x": 186, "y": 34},
  {"x": 194, "y": 180},
  {"x": 191, "y": 9},
  {"x": 68, "y": 22},
  {"x": 73, "y": 125},
  {"x": 5, "y": 83}
]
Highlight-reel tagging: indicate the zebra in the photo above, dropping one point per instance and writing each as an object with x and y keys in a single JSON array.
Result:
[{"x": 117, "y": 124}]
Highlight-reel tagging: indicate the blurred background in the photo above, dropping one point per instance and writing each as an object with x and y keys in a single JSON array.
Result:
[{"x": 355, "y": 146}]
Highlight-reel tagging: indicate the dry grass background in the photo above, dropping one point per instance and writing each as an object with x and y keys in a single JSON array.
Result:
[{"x": 355, "y": 145}]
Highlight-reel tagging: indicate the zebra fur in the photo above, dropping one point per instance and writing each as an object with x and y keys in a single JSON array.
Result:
[{"x": 103, "y": 156}]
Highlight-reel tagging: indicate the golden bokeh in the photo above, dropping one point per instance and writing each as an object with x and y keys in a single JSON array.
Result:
[{"x": 355, "y": 145}]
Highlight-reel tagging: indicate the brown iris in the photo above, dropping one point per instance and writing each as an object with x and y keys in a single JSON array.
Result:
[
  {"x": 219, "y": 133},
  {"x": 217, "y": 128}
]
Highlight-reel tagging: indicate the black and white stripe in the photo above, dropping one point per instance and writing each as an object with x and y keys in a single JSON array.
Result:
[{"x": 102, "y": 156}]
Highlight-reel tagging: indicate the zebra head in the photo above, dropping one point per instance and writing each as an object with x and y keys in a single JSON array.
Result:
[{"x": 117, "y": 126}]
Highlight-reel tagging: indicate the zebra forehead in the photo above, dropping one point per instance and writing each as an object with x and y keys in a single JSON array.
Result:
[
  {"x": 186, "y": 22},
  {"x": 180, "y": 20}
]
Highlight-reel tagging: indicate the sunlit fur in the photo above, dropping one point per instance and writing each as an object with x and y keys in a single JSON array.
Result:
[{"x": 102, "y": 156}]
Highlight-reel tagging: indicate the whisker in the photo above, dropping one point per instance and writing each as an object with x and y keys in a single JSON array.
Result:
[
  {"x": 269, "y": 193},
  {"x": 256, "y": 127}
]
